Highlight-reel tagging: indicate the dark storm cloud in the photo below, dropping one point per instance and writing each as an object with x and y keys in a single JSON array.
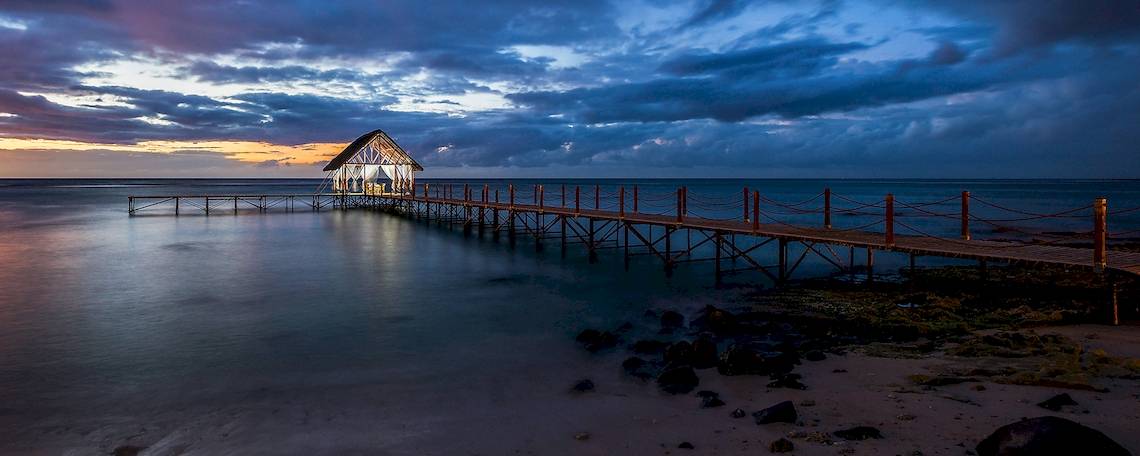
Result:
[
  {"x": 793, "y": 80},
  {"x": 799, "y": 56},
  {"x": 1024, "y": 24},
  {"x": 716, "y": 10}
]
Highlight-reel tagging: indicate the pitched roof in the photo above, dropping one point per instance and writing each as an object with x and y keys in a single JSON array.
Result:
[{"x": 388, "y": 149}]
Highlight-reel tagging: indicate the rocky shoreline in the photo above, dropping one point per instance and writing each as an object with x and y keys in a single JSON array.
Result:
[{"x": 979, "y": 334}]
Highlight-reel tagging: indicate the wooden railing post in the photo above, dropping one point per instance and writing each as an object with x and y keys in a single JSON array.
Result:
[
  {"x": 1100, "y": 234},
  {"x": 746, "y": 204},
  {"x": 597, "y": 197},
  {"x": 966, "y": 215},
  {"x": 680, "y": 196},
  {"x": 621, "y": 202},
  {"x": 511, "y": 189},
  {"x": 685, "y": 200},
  {"x": 827, "y": 208},
  {"x": 541, "y": 198},
  {"x": 755, "y": 210},
  {"x": 577, "y": 200},
  {"x": 890, "y": 222}
]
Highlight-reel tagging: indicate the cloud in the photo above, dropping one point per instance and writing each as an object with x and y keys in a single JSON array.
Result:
[
  {"x": 783, "y": 88},
  {"x": 1028, "y": 24},
  {"x": 715, "y": 10}
]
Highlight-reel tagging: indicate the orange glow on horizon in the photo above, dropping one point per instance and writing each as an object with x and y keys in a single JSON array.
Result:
[{"x": 242, "y": 151}]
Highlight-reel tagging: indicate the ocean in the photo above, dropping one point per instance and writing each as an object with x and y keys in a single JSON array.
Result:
[{"x": 109, "y": 323}]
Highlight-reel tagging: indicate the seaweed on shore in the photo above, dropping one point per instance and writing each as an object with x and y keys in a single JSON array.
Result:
[{"x": 949, "y": 301}]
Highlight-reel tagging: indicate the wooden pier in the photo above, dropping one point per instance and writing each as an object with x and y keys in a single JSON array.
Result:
[
  {"x": 621, "y": 224},
  {"x": 733, "y": 238}
]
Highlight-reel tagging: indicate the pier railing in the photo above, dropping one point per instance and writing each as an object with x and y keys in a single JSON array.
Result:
[{"x": 890, "y": 216}]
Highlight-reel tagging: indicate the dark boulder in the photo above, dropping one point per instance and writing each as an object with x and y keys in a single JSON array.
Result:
[
  {"x": 781, "y": 446},
  {"x": 583, "y": 385},
  {"x": 1056, "y": 402},
  {"x": 678, "y": 380},
  {"x": 711, "y": 402},
  {"x": 127, "y": 450},
  {"x": 710, "y": 399},
  {"x": 637, "y": 367},
  {"x": 587, "y": 336},
  {"x": 596, "y": 341},
  {"x": 671, "y": 319},
  {"x": 685, "y": 446},
  {"x": 859, "y": 433},
  {"x": 649, "y": 347},
  {"x": 739, "y": 413},
  {"x": 704, "y": 354},
  {"x": 815, "y": 355},
  {"x": 716, "y": 320},
  {"x": 784, "y": 412},
  {"x": 679, "y": 353},
  {"x": 1048, "y": 436},
  {"x": 626, "y": 326},
  {"x": 741, "y": 360}
]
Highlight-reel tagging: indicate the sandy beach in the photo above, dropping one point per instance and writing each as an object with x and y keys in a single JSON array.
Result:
[{"x": 529, "y": 408}]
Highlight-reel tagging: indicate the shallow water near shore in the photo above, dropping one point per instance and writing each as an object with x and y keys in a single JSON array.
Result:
[{"x": 111, "y": 323}]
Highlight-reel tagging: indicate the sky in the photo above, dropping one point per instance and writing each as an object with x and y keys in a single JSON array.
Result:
[{"x": 573, "y": 88}]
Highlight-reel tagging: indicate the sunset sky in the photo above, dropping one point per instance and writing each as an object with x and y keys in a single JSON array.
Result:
[{"x": 720, "y": 88}]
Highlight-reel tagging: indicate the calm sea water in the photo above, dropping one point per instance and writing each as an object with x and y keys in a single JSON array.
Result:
[{"x": 105, "y": 315}]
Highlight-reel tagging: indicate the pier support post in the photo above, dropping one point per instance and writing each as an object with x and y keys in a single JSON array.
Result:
[
  {"x": 965, "y": 215},
  {"x": 1100, "y": 234},
  {"x": 511, "y": 216},
  {"x": 1113, "y": 301},
  {"x": 870, "y": 264},
  {"x": 827, "y": 208},
  {"x": 177, "y": 202},
  {"x": 625, "y": 226},
  {"x": 718, "y": 242},
  {"x": 890, "y": 220},
  {"x": 593, "y": 253},
  {"x": 783, "y": 260},
  {"x": 668, "y": 251}
]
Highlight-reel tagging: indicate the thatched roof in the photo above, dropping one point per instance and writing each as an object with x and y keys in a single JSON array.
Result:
[{"x": 381, "y": 143}]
